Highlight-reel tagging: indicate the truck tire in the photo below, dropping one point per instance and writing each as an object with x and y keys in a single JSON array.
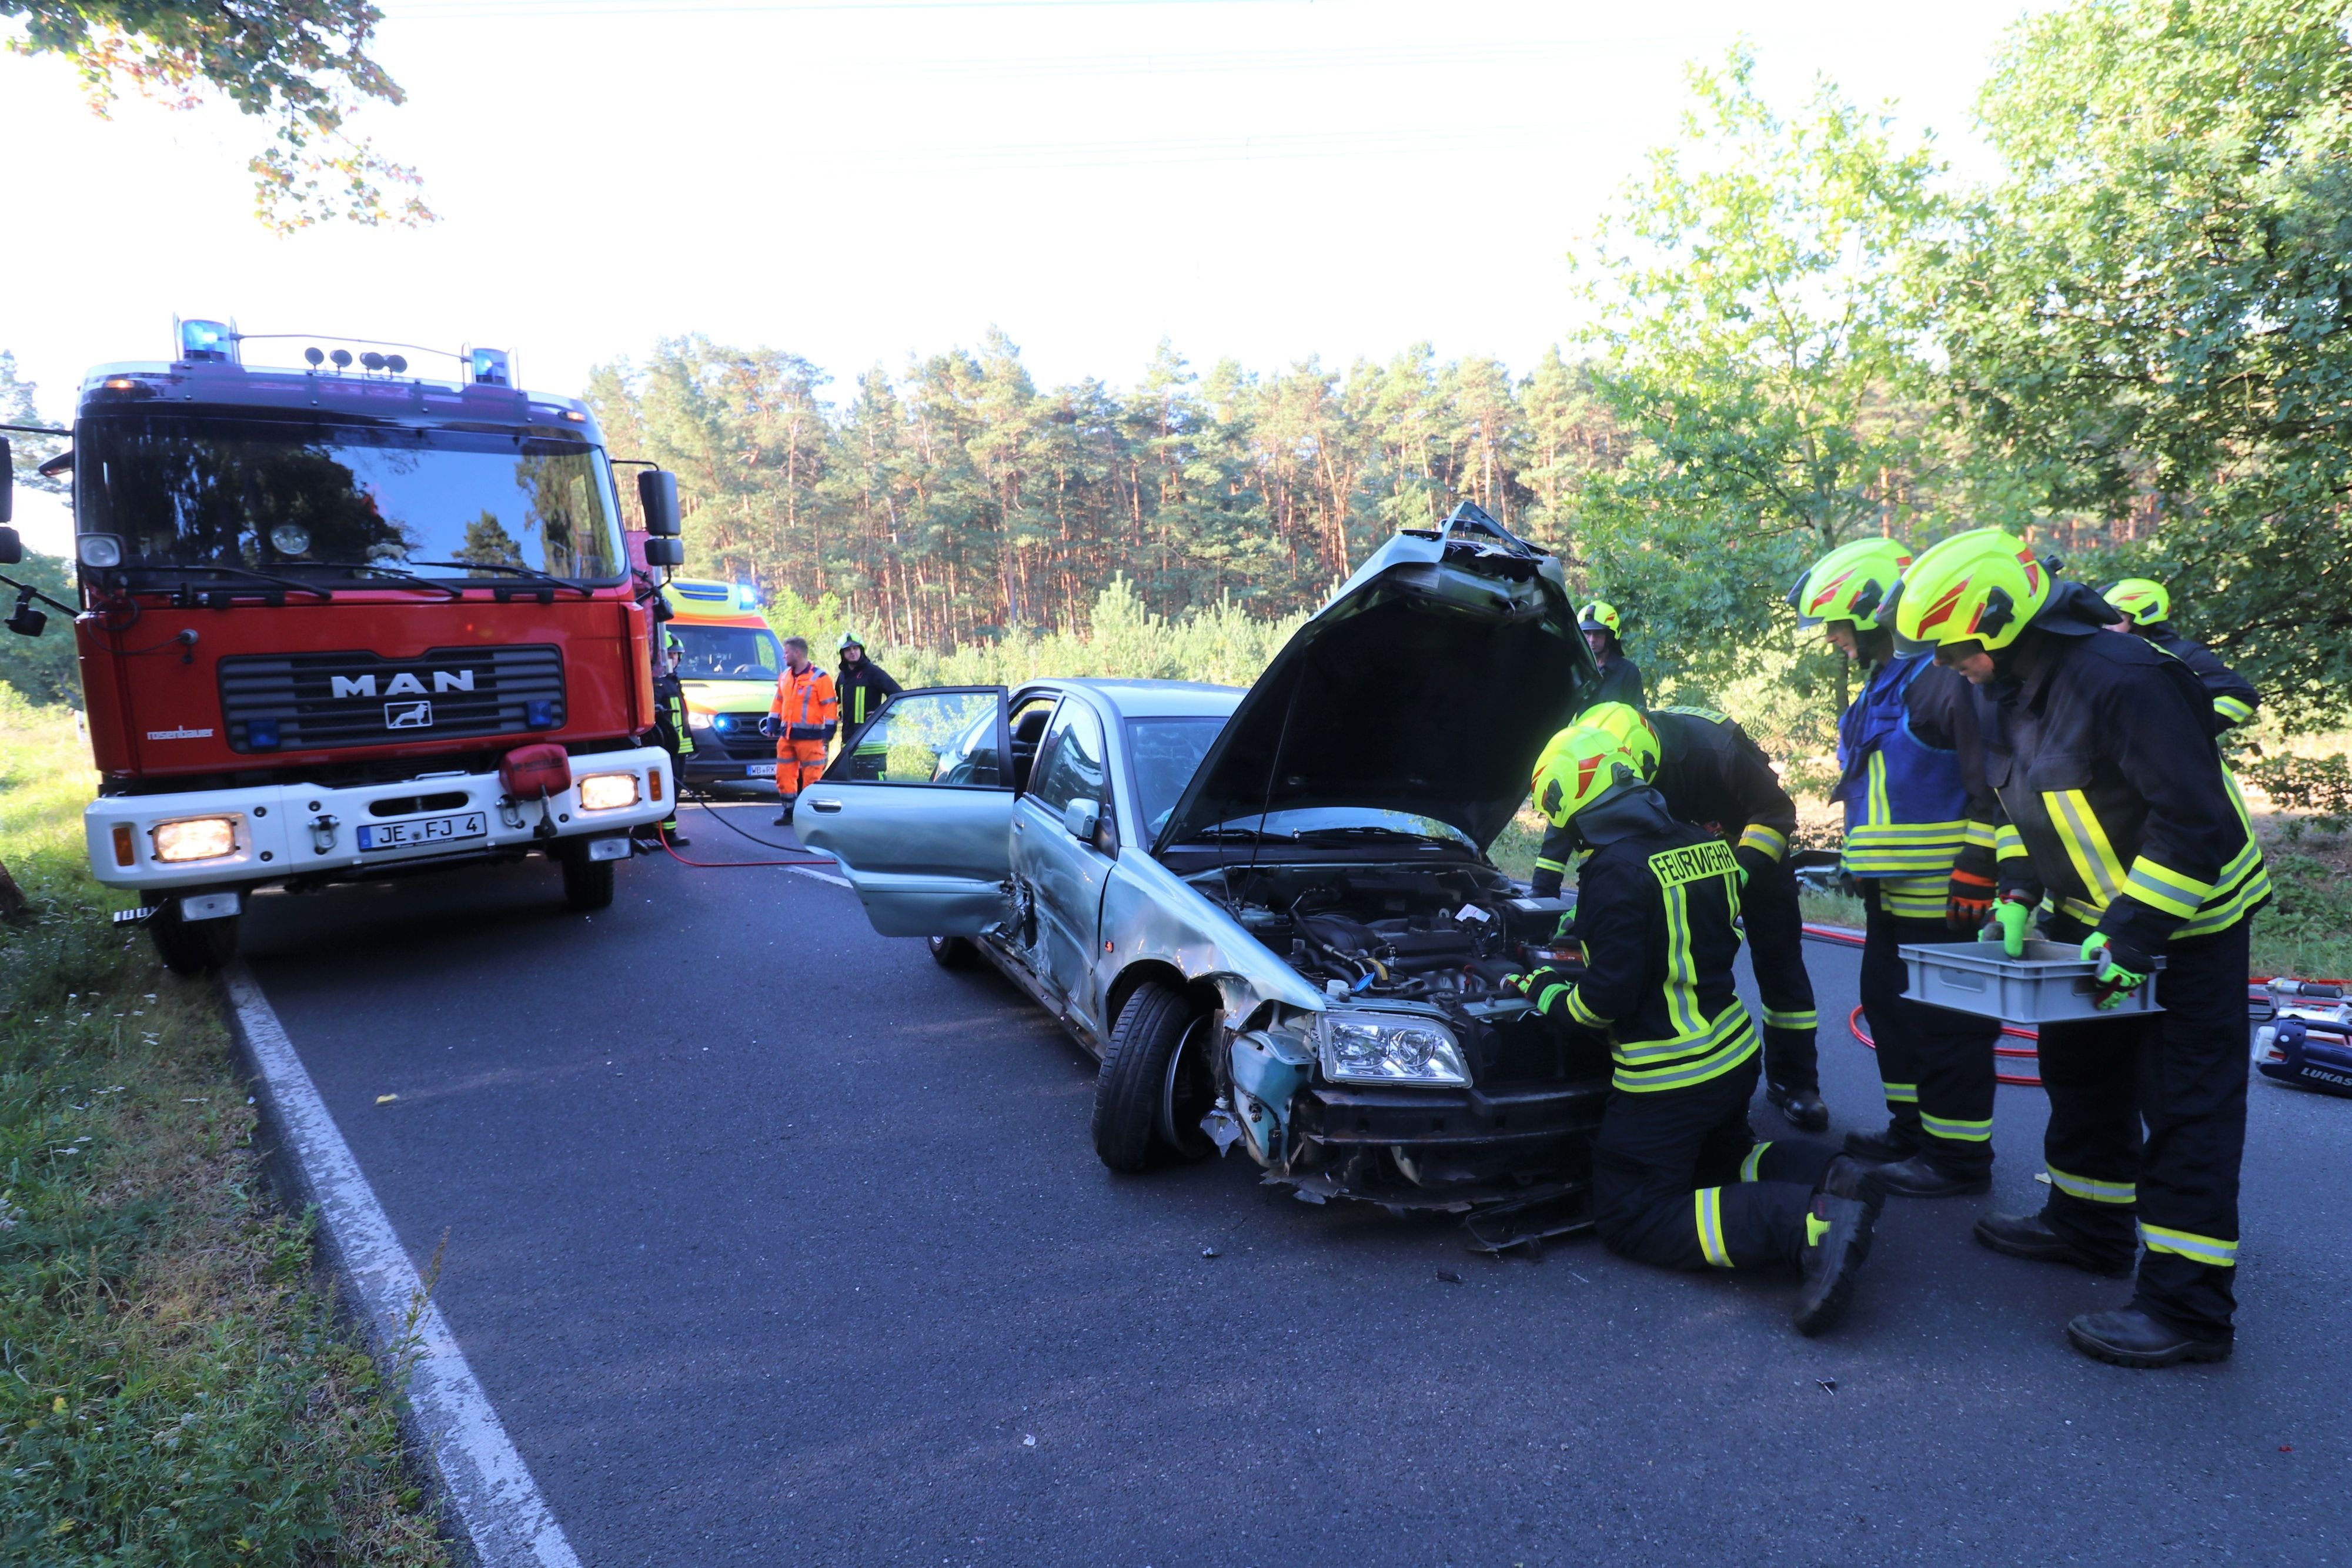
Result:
[
  {"x": 1152, "y": 1088},
  {"x": 953, "y": 952},
  {"x": 192, "y": 947},
  {"x": 587, "y": 885}
]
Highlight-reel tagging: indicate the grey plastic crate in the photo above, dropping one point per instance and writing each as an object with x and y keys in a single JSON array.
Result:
[{"x": 2050, "y": 984}]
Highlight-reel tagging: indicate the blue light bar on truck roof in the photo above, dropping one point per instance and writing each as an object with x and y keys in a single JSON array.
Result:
[
  {"x": 206, "y": 342},
  {"x": 491, "y": 368}
]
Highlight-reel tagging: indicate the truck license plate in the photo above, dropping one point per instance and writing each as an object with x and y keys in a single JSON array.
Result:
[
  {"x": 424, "y": 831},
  {"x": 760, "y": 770}
]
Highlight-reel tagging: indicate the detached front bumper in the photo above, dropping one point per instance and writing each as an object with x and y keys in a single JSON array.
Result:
[
  {"x": 275, "y": 833},
  {"x": 1453, "y": 1149}
]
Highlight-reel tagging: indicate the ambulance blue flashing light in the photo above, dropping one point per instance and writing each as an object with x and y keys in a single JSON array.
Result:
[
  {"x": 490, "y": 368},
  {"x": 747, "y": 597}
]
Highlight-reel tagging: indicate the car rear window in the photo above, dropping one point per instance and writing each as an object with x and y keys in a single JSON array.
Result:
[{"x": 1167, "y": 752}]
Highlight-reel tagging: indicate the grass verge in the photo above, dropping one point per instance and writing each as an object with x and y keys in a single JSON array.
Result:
[{"x": 177, "y": 1389}]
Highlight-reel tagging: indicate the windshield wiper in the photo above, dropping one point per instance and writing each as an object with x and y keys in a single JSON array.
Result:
[
  {"x": 1244, "y": 835},
  {"x": 1373, "y": 830},
  {"x": 582, "y": 588},
  {"x": 286, "y": 582},
  {"x": 388, "y": 570}
]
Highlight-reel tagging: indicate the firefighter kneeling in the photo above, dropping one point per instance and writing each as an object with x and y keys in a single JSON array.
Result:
[{"x": 1678, "y": 1179}]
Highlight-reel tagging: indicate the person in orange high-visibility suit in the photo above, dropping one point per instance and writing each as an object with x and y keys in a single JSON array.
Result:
[{"x": 803, "y": 718}]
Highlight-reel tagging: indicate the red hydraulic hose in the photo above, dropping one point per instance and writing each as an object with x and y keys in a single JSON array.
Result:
[
  {"x": 725, "y": 865},
  {"x": 1854, "y": 1024}
]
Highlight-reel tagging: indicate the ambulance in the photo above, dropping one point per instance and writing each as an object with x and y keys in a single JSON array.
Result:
[{"x": 729, "y": 659}]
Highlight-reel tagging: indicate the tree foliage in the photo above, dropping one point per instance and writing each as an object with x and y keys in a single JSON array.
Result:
[
  {"x": 2149, "y": 316},
  {"x": 302, "y": 64}
]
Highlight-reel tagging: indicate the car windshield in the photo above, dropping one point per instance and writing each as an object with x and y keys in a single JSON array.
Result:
[
  {"x": 1167, "y": 752},
  {"x": 1341, "y": 824},
  {"x": 725, "y": 652},
  {"x": 281, "y": 496}
]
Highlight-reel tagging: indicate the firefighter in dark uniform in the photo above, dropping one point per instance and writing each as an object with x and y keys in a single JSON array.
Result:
[
  {"x": 2147, "y": 609},
  {"x": 2115, "y": 816},
  {"x": 863, "y": 687},
  {"x": 1678, "y": 1179},
  {"x": 671, "y": 732},
  {"x": 1919, "y": 846},
  {"x": 1621, "y": 678},
  {"x": 1713, "y": 776}
]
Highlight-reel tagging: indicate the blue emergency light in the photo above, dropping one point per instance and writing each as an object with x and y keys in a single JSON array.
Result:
[
  {"x": 207, "y": 342},
  {"x": 539, "y": 713},
  {"x": 747, "y": 596},
  {"x": 490, "y": 368},
  {"x": 261, "y": 734}
]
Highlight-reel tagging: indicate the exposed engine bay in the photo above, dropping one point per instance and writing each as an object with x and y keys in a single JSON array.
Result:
[{"x": 1383, "y": 933}]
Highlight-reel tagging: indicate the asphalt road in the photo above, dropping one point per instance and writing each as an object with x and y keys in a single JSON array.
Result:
[{"x": 775, "y": 1243}]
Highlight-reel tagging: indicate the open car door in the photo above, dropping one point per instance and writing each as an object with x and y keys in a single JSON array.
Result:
[{"x": 919, "y": 811}]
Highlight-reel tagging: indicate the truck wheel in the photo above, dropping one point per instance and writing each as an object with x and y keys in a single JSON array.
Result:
[
  {"x": 953, "y": 952},
  {"x": 192, "y": 947},
  {"x": 1154, "y": 1085},
  {"x": 587, "y": 885}
]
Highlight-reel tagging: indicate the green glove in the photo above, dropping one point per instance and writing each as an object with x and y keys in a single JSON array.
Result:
[
  {"x": 2113, "y": 980},
  {"x": 2015, "y": 918}
]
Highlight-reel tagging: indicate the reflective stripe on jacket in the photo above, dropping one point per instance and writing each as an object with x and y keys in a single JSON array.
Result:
[
  {"x": 1659, "y": 909},
  {"x": 863, "y": 688},
  {"x": 2113, "y": 798},
  {"x": 1906, "y": 798}
]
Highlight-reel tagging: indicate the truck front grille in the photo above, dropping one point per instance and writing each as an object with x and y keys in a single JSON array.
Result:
[{"x": 308, "y": 702}]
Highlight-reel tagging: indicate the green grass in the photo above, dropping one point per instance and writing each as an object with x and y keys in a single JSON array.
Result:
[{"x": 178, "y": 1391}]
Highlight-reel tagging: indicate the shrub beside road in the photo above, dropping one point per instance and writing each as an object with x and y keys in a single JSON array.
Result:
[{"x": 177, "y": 1389}]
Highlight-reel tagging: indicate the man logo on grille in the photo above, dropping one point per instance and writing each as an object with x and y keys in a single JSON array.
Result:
[{"x": 407, "y": 715}]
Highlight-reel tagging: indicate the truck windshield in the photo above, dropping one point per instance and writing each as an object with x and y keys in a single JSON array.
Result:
[
  {"x": 193, "y": 490},
  {"x": 725, "y": 652}
]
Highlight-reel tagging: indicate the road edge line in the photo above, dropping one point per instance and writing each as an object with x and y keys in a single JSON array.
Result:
[
  {"x": 820, "y": 876},
  {"x": 490, "y": 1500}
]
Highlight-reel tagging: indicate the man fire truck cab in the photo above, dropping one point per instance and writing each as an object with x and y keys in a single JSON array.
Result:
[{"x": 341, "y": 623}]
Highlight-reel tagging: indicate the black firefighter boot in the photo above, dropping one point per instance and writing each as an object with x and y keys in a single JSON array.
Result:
[
  {"x": 1921, "y": 1176},
  {"x": 1837, "y": 1241},
  {"x": 2134, "y": 1338},
  {"x": 784, "y": 817},
  {"x": 1896, "y": 1142},
  {"x": 1802, "y": 1107},
  {"x": 2029, "y": 1235}
]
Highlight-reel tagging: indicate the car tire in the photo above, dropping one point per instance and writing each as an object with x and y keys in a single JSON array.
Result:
[
  {"x": 192, "y": 947},
  {"x": 953, "y": 952},
  {"x": 1151, "y": 1078},
  {"x": 587, "y": 885}
]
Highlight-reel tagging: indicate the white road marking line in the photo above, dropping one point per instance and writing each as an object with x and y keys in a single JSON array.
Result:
[
  {"x": 496, "y": 1502},
  {"x": 820, "y": 876}
]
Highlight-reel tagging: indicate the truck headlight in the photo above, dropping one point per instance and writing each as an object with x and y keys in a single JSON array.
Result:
[
  {"x": 195, "y": 838},
  {"x": 607, "y": 791},
  {"x": 1375, "y": 1048}
]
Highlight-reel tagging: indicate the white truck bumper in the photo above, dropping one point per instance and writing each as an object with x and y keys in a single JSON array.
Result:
[{"x": 272, "y": 833}]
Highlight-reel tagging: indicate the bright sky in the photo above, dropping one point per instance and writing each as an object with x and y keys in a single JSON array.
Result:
[{"x": 858, "y": 182}]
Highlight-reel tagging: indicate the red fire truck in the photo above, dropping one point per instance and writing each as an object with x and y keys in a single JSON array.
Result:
[{"x": 341, "y": 623}]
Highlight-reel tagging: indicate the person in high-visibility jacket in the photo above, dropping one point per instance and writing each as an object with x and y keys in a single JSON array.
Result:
[
  {"x": 862, "y": 685},
  {"x": 2148, "y": 610},
  {"x": 672, "y": 733},
  {"x": 1621, "y": 678},
  {"x": 802, "y": 718},
  {"x": 1678, "y": 1179},
  {"x": 2115, "y": 814},
  {"x": 1712, "y": 775},
  {"x": 1918, "y": 845}
]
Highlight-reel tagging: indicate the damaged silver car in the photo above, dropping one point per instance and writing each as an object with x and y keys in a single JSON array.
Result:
[{"x": 1269, "y": 913}]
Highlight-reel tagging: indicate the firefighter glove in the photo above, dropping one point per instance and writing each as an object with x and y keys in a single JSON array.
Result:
[
  {"x": 2014, "y": 915},
  {"x": 1533, "y": 982},
  {"x": 2121, "y": 969},
  {"x": 1967, "y": 899}
]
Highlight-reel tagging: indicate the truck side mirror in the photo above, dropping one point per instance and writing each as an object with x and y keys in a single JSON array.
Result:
[
  {"x": 1080, "y": 819},
  {"x": 12, "y": 548},
  {"x": 664, "y": 552},
  {"x": 658, "y": 495},
  {"x": 8, "y": 500}
]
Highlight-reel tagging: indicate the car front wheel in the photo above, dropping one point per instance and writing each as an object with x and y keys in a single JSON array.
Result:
[
  {"x": 952, "y": 952},
  {"x": 1154, "y": 1085}
]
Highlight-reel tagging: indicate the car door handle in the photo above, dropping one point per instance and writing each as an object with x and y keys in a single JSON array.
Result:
[
  {"x": 1017, "y": 826},
  {"x": 825, "y": 806}
]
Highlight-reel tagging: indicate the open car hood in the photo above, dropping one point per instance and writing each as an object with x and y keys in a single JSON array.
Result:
[{"x": 1428, "y": 684}]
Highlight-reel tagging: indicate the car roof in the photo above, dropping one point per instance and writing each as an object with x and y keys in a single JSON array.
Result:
[{"x": 1158, "y": 700}]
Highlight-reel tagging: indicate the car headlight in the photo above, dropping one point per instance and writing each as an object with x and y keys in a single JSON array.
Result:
[
  {"x": 195, "y": 838},
  {"x": 1375, "y": 1047},
  {"x": 607, "y": 791}
]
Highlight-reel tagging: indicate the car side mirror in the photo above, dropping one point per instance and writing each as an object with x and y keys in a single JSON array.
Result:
[
  {"x": 664, "y": 552},
  {"x": 658, "y": 495},
  {"x": 1080, "y": 818}
]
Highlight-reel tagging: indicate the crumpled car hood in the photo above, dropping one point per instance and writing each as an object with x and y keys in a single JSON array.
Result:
[{"x": 1428, "y": 684}]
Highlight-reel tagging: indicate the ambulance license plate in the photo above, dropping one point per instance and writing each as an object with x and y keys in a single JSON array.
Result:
[
  {"x": 424, "y": 831},
  {"x": 760, "y": 770}
]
